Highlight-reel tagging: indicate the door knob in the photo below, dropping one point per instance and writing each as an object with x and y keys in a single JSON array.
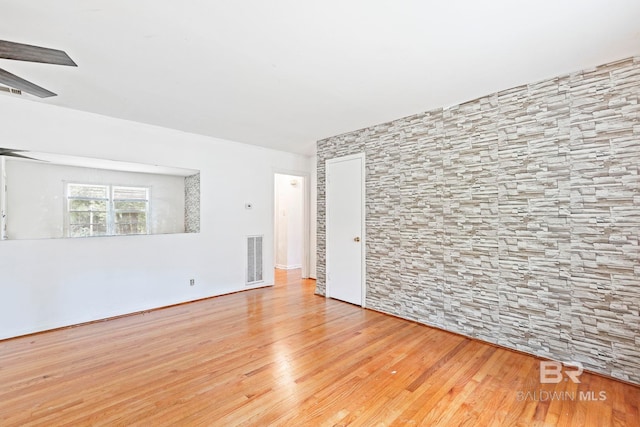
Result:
[{"x": 356, "y": 239}]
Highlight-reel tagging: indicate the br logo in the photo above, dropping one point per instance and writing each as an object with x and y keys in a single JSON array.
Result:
[{"x": 554, "y": 372}]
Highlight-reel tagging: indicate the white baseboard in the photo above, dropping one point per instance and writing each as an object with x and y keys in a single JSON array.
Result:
[{"x": 288, "y": 267}]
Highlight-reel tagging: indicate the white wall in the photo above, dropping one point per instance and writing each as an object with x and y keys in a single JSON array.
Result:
[
  {"x": 36, "y": 199},
  {"x": 50, "y": 283},
  {"x": 289, "y": 221},
  {"x": 3, "y": 198},
  {"x": 313, "y": 215}
]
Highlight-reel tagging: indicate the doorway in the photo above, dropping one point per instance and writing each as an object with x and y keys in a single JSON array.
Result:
[
  {"x": 290, "y": 224},
  {"x": 345, "y": 230}
]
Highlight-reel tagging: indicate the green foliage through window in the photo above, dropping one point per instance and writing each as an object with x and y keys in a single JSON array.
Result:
[{"x": 104, "y": 210}]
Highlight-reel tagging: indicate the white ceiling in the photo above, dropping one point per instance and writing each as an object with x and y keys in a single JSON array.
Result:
[{"x": 285, "y": 73}]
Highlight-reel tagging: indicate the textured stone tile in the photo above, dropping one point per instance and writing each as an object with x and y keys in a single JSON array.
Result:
[
  {"x": 192, "y": 203},
  {"x": 605, "y": 154},
  {"x": 513, "y": 218}
]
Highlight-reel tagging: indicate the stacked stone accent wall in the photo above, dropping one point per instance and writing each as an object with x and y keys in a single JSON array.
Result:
[
  {"x": 192, "y": 203},
  {"x": 513, "y": 218}
]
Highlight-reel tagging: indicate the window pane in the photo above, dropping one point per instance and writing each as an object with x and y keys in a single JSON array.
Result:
[
  {"x": 96, "y": 221},
  {"x": 122, "y": 229},
  {"x": 79, "y": 217},
  {"x": 88, "y": 191},
  {"x": 131, "y": 217},
  {"x": 130, "y": 206},
  {"x": 136, "y": 193},
  {"x": 99, "y": 230},
  {"x": 78, "y": 231},
  {"x": 87, "y": 230},
  {"x": 131, "y": 228},
  {"x": 131, "y": 223},
  {"x": 88, "y": 205}
]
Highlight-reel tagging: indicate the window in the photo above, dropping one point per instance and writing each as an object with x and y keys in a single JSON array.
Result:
[
  {"x": 130, "y": 208},
  {"x": 106, "y": 210}
]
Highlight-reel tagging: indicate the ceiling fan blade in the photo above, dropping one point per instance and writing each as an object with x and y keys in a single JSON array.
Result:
[
  {"x": 11, "y": 80},
  {"x": 14, "y": 153},
  {"x": 26, "y": 52},
  {"x": 20, "y": 156}
]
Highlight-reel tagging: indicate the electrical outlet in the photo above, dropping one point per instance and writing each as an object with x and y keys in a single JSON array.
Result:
[{"x": 192, "y": 282}]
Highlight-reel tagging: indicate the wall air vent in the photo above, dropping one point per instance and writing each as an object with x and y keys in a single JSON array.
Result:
[
  {"x": 254, "y": 259},
  {"x": 10, "y": 90}
]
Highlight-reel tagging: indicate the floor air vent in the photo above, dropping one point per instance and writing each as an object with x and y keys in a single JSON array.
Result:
[{"x": 254, "y": 259}]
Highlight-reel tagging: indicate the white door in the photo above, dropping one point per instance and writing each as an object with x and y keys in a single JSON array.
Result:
[{"x": 345, "y": 231}]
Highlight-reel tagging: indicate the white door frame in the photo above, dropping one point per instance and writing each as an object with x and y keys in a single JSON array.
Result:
[
  {"x": 3, "y": 198},
  {"x": 363, "y": 228},
  {"x": 305, "y": 214}
]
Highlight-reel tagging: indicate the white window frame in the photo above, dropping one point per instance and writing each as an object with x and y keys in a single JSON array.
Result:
[{"x": 111, "y": 211}]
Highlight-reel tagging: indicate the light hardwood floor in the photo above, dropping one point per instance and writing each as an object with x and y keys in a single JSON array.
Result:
[{"x": 283, "y": 356}]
